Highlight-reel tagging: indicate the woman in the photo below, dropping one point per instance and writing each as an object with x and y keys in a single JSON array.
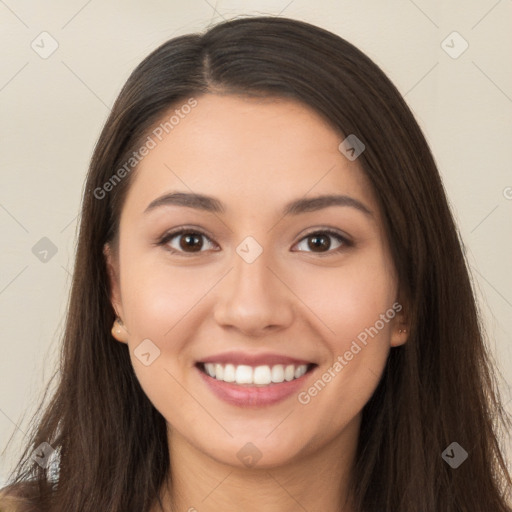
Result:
[{"x": 220, "y": 352}]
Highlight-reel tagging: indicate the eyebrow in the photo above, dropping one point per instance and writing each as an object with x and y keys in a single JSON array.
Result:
[{"x": 298, "y": 206}]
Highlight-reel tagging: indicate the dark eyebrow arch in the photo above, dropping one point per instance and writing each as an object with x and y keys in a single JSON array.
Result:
[{"x": 298, "y": 206}]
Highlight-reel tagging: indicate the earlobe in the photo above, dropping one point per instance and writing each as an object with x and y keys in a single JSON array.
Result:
[
  {"x": 400, "y": 335},
  {"x": 119, "y": 331}
]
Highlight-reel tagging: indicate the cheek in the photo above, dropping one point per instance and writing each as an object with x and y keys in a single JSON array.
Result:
[
  {"x": 354, "y": 306},
  {"x": 157, "y": 302},
  {"x": 350, "y": 298},
  {"x": 156, "y": 296}
]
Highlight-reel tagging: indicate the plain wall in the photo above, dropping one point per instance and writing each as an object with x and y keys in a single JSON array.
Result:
[{"x": 52, "y": 110}]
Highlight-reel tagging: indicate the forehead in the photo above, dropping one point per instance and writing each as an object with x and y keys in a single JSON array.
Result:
[{"x": 250, "y": 153}]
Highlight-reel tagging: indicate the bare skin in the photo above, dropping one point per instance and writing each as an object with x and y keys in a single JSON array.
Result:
[{"x": 297, "y": 298}]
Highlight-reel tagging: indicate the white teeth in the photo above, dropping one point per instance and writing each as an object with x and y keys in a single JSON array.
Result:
[
  {"x": 210, "y": 369},
  {"x": 243, "y": 375},
  {"x": 219, "y": 371},
  {"x": 300, "y": 371},
  {"x": 289, "y": 372},
  {"x": 229, "y": 373},
  {"x": 278, "y": 373},
  {"x": 260, "y": 375}
]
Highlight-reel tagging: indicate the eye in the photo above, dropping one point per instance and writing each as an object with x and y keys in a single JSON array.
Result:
[
  {"x": 188, "y": 239},
  {"x": 321, "y": 240}
]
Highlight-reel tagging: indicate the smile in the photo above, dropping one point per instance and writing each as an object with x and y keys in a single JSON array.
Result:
[
  {"x": 246, "y": 386},
  {"x": 262, "y": 375}
]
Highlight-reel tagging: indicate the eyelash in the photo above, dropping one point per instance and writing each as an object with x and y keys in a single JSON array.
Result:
[{"x": 181, "y": 231}]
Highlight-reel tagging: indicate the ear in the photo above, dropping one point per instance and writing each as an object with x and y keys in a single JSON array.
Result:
[
  {"x": 119, "y": 331},
  {"x": 400, "y": 327}
]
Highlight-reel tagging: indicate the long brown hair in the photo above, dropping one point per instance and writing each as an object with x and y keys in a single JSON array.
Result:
[{"x": 438, "y": 388}]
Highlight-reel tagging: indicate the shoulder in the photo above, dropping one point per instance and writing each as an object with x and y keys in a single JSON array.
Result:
[{"x": 16, "y": 499}]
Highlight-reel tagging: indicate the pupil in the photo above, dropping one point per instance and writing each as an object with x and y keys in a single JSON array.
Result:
[
  {"x": 184, "y": 245},
  {"x": 315, "y": 244}
]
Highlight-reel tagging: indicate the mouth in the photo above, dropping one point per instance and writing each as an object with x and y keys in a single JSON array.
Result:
[{"x": 251, "y": 376}]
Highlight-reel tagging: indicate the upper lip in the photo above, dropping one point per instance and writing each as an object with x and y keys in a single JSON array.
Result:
[{"x": 266, "y": 358}]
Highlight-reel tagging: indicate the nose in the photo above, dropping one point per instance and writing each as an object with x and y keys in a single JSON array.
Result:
[{"x": 254, "y": 298}]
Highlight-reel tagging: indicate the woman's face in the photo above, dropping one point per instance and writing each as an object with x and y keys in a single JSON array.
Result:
[{"x": 258, "y": 291}]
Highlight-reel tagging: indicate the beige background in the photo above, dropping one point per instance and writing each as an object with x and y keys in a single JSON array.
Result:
[{"x": 52, "y": 111}]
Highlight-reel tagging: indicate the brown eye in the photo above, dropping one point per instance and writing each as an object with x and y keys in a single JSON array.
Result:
[
  {"x": 189, "y": 241},
  {"x": 320, "y": 242}
]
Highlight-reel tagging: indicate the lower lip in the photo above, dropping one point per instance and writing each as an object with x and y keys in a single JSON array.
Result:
[{"x": 245, "y": 396}]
